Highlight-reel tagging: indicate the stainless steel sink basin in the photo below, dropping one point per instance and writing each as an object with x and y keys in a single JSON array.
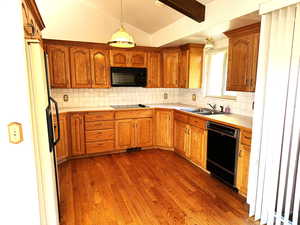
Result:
[{"x": 205, "y": 111}]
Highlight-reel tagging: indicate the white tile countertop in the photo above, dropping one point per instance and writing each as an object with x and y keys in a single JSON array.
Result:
[{"x": 230, "y": 119}]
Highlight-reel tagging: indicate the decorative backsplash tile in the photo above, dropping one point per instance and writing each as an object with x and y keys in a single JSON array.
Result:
[{"x": 118, "y": 96}]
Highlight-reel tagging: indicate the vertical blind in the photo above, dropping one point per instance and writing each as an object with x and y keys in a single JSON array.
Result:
[{"x": 274, "y": 179}]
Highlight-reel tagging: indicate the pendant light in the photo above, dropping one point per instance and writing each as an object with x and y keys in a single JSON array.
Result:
[
  {"x": 209, "y": 44},
  {"x": 121, "y": 39}
]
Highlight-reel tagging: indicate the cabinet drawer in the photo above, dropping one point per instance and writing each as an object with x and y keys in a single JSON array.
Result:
[
  {"x": 134, "y": 114},
  {"x": 99, "y": 116},
  {"x": 99, "y": 135},
  {"x": 246, "y": 137},
  {"x": 181, "y": 117},
  {"x": 197, "y": 122},
  {"x": 101, "y": 146},
  {"x": 99, "y": 125}
]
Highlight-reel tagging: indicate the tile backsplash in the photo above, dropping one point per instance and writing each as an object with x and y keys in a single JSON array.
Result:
[{"x": 118, "y": 96}]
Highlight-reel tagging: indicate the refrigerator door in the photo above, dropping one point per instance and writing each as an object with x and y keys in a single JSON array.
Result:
[{"x": 39, "y": 102}]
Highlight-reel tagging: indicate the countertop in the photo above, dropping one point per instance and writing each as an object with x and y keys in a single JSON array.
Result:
[{"x": 236, "y": 120}]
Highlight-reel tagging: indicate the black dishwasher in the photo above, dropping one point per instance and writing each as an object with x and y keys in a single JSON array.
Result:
[{"x": 222, "y": 143}]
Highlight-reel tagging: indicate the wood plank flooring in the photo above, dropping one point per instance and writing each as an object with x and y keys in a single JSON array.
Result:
[{"x": 151, "y": 187}]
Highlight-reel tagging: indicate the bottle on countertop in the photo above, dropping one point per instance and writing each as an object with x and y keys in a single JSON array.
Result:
[{"x": 227, "y": 109}]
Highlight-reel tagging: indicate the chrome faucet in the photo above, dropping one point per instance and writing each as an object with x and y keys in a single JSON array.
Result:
[{"x": 213, "y": 107}]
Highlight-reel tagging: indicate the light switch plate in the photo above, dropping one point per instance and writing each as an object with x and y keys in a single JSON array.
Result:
[{"x": 15, "y": 133}]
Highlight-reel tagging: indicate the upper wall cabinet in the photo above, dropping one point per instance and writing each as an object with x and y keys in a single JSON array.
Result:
[
  {"x": 242, "y": 58},
  {"x": 100, "y": 68},
  {"x": 126, "y": 58},
  {"x": 154, "y": 70},
  {"x": 191, "y": 66},
  {"x": 59, "y": 67},
  {"x": 171, "y": 59},
  {"x": 80, "y": 67}
]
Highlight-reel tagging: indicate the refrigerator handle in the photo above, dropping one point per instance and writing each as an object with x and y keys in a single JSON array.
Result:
[{"x": 58, "y": 122}]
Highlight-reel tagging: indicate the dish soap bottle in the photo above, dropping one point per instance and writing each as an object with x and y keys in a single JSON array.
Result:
[{"x": 227, "y": 109}]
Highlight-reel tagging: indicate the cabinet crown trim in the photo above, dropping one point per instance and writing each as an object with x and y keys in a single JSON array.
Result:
[{"x": 250, "y": 29}]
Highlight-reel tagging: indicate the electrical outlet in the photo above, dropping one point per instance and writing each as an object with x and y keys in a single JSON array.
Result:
[
  {"x": 165, "y": 96},
  {"x": 66, "y": 98},
  {"x": 194, "y": 97}
]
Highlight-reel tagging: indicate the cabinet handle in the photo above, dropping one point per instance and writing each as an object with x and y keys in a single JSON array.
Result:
[{"x": 240, "y": 153}]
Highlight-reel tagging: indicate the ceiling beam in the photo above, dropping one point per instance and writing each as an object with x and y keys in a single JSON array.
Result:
[{"x": 190, "y": 8}]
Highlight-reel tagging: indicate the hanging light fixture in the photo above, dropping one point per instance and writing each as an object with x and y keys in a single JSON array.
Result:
[
  {"x": 209, "y": 43},
  {"x": 121, "y": 39}
]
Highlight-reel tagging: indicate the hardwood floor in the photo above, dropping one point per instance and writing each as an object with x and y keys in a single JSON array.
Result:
[{"x": 150, "y": 187}]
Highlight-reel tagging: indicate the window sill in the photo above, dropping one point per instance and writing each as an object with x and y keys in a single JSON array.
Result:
[{"x": 233, "y": 98}]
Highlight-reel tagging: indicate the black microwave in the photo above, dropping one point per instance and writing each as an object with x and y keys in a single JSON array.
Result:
[{"x": 128, "y": 77}]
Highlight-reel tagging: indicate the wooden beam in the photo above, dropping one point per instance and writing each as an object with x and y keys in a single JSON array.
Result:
[{"x": 190, "y": 8}]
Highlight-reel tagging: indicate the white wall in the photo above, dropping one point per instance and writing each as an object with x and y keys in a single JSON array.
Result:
[
  {"x": 18, "y": 190},
  {"x": 81, "y": 21}
]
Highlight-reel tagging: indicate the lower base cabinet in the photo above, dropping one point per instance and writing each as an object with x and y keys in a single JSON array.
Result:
[
  {"x": 77, "y": 134},
  {"x": 190, "y": 142},
  {"x": 164, "y": 128},
  {"x": 133, "y": 133},
  {"x": 62, "y": 148}
]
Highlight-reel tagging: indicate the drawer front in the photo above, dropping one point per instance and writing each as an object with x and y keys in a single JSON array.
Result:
[
  {"x": 99, "y": 125},
  {"x": 99, "y": 135},
  {"x": 98, "y": 147},
  {"x": 197, "y": 122},
  {"x": 246, "y": 137},
  {"x": 181, "y": 117},
  {"x": 134, "y": 114},
  {"x": 99, "y": 116}
]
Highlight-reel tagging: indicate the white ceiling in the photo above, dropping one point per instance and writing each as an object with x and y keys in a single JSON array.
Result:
[
  {"x": 143, "y": 14},
  {"x": 216, "y": 32}
]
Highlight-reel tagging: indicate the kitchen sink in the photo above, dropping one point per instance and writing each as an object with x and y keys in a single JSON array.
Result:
[{"x": 206, "y": 111}]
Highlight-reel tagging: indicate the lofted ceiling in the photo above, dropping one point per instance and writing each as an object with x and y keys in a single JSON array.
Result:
[{"x": 145, "y": 15}]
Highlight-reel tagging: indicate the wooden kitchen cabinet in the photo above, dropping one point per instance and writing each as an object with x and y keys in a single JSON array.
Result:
[
  {"x": 100, "y": 70},
  {"x": 164, "y": 128},
  {"x": 154, "y": 70},
  {"x": 180, "y": 130},
  {"x": 191, "y": 66},
  {"x": 190, "y": 138},
  {"x": 77, "y": 134},
  {"x": 80, "y": 67},
  {"x": 171, "y": 59},
  {"x": 128, "y": 58},
  {"x": 243, "y": 163},
  {"x": 62, "y": 147},
  {"x": 134, "y": 133},
  {"x": 59, "y": 66},
  {"x": 242, "y": 58}
]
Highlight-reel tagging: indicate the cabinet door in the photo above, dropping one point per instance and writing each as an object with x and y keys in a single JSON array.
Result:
[
  {"x": 59, "y": 66},
  {"x": 100, "y": 68},
  {"x": 80, "y": 67},
  {"x": 171, "y": 68},
  {"x": 197, "y": 146},
  {"x": 154, "y": 70},
  {"x": 125, "y": 134},
  {"x": 164, "y": 128},
  {"x": 255, "y": 61},
  {"x": 184, "y": 69},
  {"x": 243, "y": 169},
  {"x": 143, "y": 132},
  {"x": 119, "y": 58},
  {"x": 62, "y": 148},
  {"x": 240, "y": 63},
  {"x": 138, "y": 59},
  {"x": 77, "y": 134},
  {"x": 180, "y": 131}
]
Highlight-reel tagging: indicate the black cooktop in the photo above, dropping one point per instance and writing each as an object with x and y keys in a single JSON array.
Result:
[{"x": 128, "y": 106}]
